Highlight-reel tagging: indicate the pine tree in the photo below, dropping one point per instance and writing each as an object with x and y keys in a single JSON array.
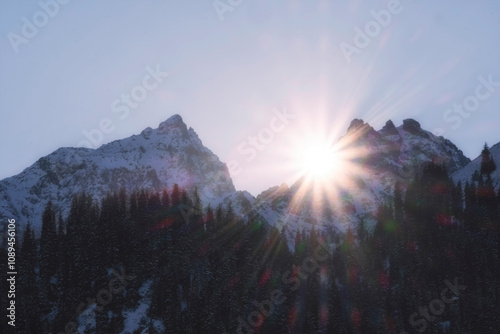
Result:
[
  {"x": 81, "y": 245},
  {"x": 134, "y": 210},
  {"x": 457, "y": 205},
  {"x": 154, "y": 209},
  {"x": 471, "y": 206},
  {"x": 28, "y": 292},
  {"x": 230, "y": 217},
  {"x": 165, "y": 199},
  {"x": 298, "y": 248},
  {"x": 48, "y": 247},
  {"x": 361, "y": 231},
  {"x": 209, "y": 221},
  {"x": 61, "y": 254},
  {"x": 487, "y": 202},
  {"x": 488, "y": 165},
  {"x": 142, "y": 210},
  {"x": 398, "y": 203},
  {"x": 175, "y": 196},
  {"x": 219, "y": 216}
]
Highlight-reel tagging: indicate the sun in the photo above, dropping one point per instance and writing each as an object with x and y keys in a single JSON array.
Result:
[
  {"x": 321, "y": 161},
  {"x": 327, "y": 169},
  {"x": 325, "y": 166},
  {"x": 318, "y": 161},
  {"x": 324, "y": 172}
]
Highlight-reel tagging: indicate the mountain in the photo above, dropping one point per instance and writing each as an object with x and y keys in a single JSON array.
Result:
[
  {"x": 465, "y": 174},
  {"x": 381, "y": 157},
  {"x": 173, "y": 153},
  {"x": 154, "y": 159}
]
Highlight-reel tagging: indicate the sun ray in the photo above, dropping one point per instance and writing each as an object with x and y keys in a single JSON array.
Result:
[{"x": 327, "y": 169}]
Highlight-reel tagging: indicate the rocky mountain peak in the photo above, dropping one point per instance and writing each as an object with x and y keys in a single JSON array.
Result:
[
  {"x": 411, "y": 125},
  {"x": 359, "y": 130},
  {"x": 173, "y": 123},
  {"x": 155, "y": 160},
  {"x": 174, "y": 120},
  {"x": 355, "y": 125},
  {"x": 389, "y": 129}
]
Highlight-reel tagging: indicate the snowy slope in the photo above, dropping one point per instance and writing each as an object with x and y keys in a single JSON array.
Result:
[
  {"x": 465, "y": 174},
  {"x": 155, "y": 159},
  {"x": 386, "y": 156}
]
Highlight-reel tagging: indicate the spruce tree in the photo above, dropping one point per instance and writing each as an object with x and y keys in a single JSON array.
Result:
[
  {"x": 48, "y": 247},
  {"x": 488, "y": 165},
  {"x": 175, "y": 197},
  {"x": 28, "y": 292},
  {"x": 165, "y": 199}
]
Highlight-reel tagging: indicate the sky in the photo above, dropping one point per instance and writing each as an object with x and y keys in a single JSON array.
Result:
[{"x": 230, "y": 67}]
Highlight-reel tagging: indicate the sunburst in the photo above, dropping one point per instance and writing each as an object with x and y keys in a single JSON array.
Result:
[{"x": 327, "y": 170}]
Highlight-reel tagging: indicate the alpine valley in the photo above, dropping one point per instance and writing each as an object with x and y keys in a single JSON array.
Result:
[{"x": 148, "y": 235}]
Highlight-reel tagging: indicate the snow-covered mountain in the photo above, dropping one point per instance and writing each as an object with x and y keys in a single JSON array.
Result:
[
  {"x": 465, "y": 174},
  {"x": 154, "y": 159},
  {"x": 382, "y": 157},
  {"x": 173, "y": 153}
]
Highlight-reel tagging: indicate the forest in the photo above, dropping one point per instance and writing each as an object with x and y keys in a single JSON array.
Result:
[{"x": 429, "y": 265}]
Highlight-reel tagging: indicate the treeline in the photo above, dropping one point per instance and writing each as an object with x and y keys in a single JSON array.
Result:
[{"x": 430, "y": 265}]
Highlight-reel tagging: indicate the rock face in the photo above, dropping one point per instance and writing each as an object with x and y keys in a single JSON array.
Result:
[{"x": 155, "y": 159}]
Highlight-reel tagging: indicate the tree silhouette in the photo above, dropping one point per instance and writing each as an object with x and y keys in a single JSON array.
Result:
[{"x": 488, "y": 165}]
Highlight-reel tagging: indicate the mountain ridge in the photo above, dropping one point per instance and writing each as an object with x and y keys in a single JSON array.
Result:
[
  {"x": 392, "y": 154},
  {"x": 173, "y": 153}
]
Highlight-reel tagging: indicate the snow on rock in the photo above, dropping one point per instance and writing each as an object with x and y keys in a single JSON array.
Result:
[{"x": 154, "y": 159}]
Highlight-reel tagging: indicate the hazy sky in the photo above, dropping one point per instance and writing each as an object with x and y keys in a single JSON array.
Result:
[{"x": 231, "y": 67}]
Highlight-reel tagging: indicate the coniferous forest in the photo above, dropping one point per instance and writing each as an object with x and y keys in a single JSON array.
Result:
[{"x": 430, "y": 265}]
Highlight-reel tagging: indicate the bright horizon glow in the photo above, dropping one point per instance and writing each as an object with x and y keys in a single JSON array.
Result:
[
  {"x": 325, "y": 166},
  {"x": 320, "y": 161}
]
